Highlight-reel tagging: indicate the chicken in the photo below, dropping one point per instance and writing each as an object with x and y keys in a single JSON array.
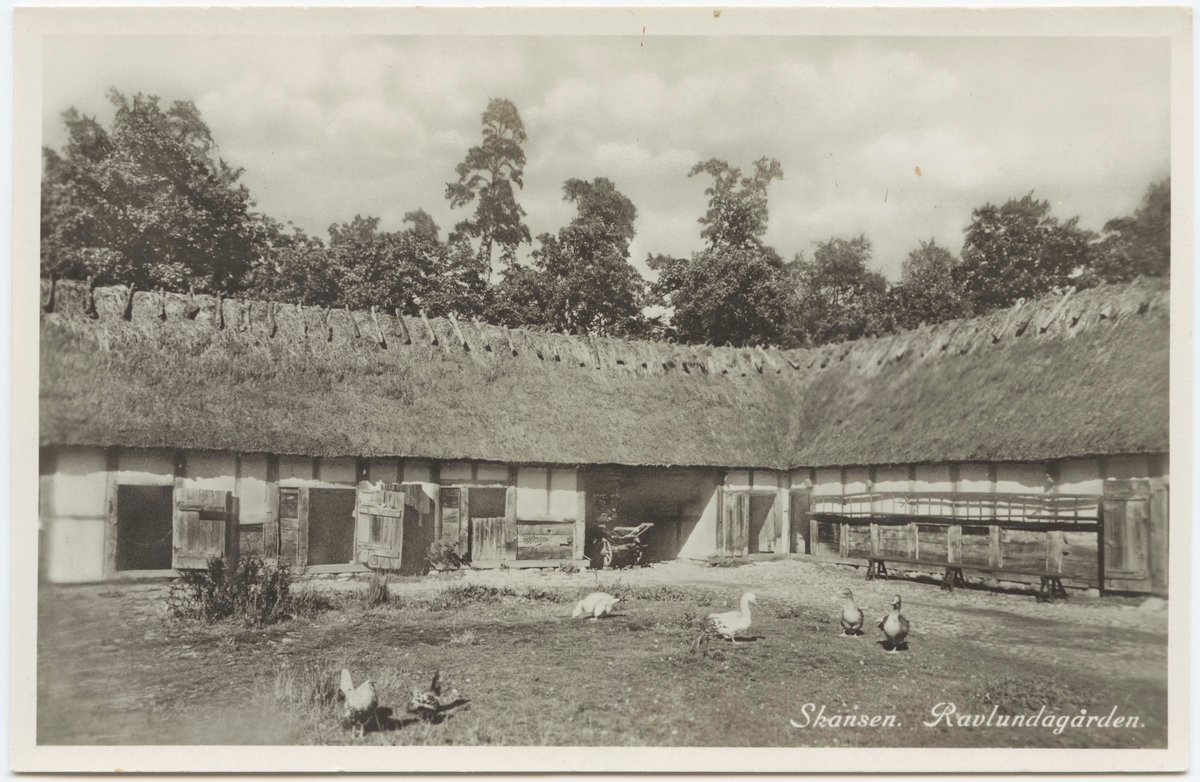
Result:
[
  {"x": 429, "y": 703},
  {"x": 597, "y": 604},
  {"x": 894, "y": 626},
  {"x": 358, "y": 704},
  {"x": 852, "y": 615},
  {"x": 730, "y": 623}
]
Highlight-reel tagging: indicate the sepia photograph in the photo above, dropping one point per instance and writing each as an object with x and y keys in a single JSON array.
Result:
[{"x": 596, "y": 390}]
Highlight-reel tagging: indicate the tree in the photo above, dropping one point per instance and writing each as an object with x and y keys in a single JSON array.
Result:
[
  {"x": 839, "y": 297},
  {"x": 736, "y": 295},
  {"x": 737, "y": 205},
  {"x": 736, "y": 290},
  {"x": 927, "y": 291},
  {"x": 1139, "y": 244},
  {"x": 146, "y": 202},
  {"x": 488, "y": 174},
  {"x": 462, "y": 281},
  {"x": 397, "y": 270},
  {"x": 1020, "y": 251},
  {"x": 293, "y": 266},
  {"x": 587, "y": 285}
]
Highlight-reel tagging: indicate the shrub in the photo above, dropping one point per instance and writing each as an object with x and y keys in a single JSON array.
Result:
[
  {"x": 568, "y": 567},
  {"x": 377, "y": 590},
  {"x": 250, "y": 590},
  {"x": 697, "y": 634}
]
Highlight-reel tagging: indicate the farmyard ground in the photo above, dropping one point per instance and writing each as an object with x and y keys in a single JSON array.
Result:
[{"x": 112, "y": 671}]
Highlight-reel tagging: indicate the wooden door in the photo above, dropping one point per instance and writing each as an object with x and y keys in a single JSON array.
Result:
[
  {"x": 203, "y": 528},
  {"x": 734, "y": 532},
  {"x": 380, "y": 526},
  {"x": 494, "y": 537},
  {"x": 1126, "y": 530}
]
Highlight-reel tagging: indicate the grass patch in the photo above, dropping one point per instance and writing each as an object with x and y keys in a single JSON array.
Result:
[{"x": 249, "y": 590}]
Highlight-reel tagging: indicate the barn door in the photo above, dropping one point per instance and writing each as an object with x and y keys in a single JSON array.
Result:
[
  {"x": 1127, "y": 535},
  {"x": 395, "y": 526},
  {"x": 494, "y": 537},
  {"x": 734, "y": 532},
  {"x": 203, "y": 528}
]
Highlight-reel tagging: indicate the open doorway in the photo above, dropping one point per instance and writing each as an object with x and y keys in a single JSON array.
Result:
[
  {"x": 763, "y": 535},
  {"x": 144, "y": 527},
  {"x": 331, "y": 526}
]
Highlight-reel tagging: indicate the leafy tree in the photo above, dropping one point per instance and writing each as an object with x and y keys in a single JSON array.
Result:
[
  {"x": 293, "y": 266},
  {"x": 737, "y": 205},
  {"x": 927, "y": 291},
  {"x": 1019, "y": 250},
  {"x": 839, "y": 297},
  {"x": 488, "y": 174},
  {"x": 146, "y": 202},
  {"x": 462, "y": 280},
  {"x": 1139, "y": 244},
  {"x": 397, "y": 270},
  {"x": 587, "y": 284},
  {"x": 736, "y": 290},
  {"x": 735, "y": 295}
]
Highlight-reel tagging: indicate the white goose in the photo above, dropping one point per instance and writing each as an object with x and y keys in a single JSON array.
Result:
[{"x": 730, "y": 623}]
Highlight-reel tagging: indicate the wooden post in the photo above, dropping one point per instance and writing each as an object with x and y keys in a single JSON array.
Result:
[
  {"x": 914, "y": 541},
  {"x": 271, "y": 527},
  {"x": 302, "y": 535},
  {"x": 874, "y": 539},
  {"x": 111, "y": 510},
  {"x": 844, "y": 542},
  {"x": 1054, "y": 551},
  {"x": 813, "y": 528},
  {"x": 954, "y": 544},
  {"x": 581, "y": 515},
  {"x": 995, "y": 553},
  {"x": 510, "y": 523},
  {"x": 1160, "y": 523}
]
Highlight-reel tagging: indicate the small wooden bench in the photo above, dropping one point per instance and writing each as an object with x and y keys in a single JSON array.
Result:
[{"x": 1051, "y": 583}]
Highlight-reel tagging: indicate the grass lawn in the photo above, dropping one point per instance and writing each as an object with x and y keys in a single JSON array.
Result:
[{"x": 111, "y": 670}]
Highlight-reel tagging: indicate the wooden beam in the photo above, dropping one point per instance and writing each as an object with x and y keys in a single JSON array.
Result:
[
  {"x": 111, "y": 466},
  {"x": 580, "y": 514}
]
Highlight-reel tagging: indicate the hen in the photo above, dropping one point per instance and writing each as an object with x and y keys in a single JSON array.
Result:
[
  {"x": 429, "y": 703},
  {"x": 358, "y": 704}
]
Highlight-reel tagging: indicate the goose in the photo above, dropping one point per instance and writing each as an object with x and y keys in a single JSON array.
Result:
[
  {"x": 597, "y": 604},
  {"x": 894, "y": 626},
  {"x": 730, "y": 623},
  {"x": 358, "y": 703},
  {"x": 852, "y": 615}
]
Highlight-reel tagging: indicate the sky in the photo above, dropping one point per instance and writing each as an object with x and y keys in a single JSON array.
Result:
[{"x": 896, "y": 138}]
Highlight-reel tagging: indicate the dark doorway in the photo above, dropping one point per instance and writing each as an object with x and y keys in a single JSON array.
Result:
[
  {"x": 144, "y": 527},
  {"x": 331, "y": 526},
  {"x": 763, "y": 530}
]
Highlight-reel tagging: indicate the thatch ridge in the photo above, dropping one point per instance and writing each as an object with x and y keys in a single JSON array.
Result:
[{"x": 190, "y": 370}]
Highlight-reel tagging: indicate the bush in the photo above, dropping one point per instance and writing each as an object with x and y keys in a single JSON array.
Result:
[
  {"x": 377, "y": 590},
  {"x": 250, "y": 590}
]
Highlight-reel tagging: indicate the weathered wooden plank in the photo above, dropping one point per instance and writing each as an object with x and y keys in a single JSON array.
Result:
[
  {"x": 875, "y": 541},
  {"x": 954, "y": 544},
  {"x": 1160, "y": 525},
  {"x": 111, "y": 511},
  {"x": 914, "y": 542},
  {"x": 581, "y": 518},
  {"x": 995, "y": 556}
]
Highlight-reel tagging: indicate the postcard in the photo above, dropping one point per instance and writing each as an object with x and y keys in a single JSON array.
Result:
[{"x": 601, "y": 390}]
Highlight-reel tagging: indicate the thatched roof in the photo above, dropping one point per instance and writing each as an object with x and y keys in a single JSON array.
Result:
[{"x": 1064, "y": 376}]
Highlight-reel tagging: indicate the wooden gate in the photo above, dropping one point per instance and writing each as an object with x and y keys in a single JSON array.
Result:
[
  {"x": 1135, "y": 532},
  {"x": 395, "y": 527},
  {"x": 494, "y": 538},
  {"x": 203, "y": 528}
]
